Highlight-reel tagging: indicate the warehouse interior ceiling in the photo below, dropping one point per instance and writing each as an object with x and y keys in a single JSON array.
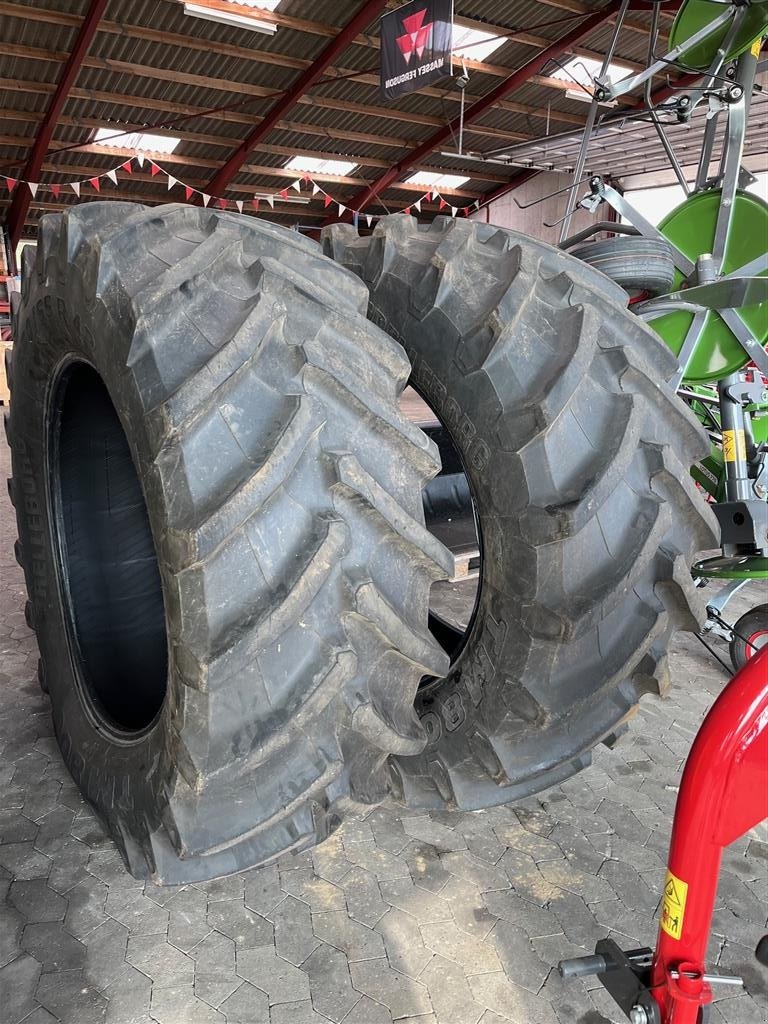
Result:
[{"x": 236, "y": 109}]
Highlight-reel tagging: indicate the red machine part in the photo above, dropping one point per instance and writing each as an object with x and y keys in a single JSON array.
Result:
[{"x": 723, "y": 794}]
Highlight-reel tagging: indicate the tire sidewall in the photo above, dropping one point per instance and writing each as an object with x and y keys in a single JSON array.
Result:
[{"x": 124, "y": 779}]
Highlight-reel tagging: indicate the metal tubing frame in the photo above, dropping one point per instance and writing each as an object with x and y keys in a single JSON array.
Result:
[
  {"x": 633, "y": 82},
  {"x": 589, "y": 127},
  {"x": 723, "y": 794}
]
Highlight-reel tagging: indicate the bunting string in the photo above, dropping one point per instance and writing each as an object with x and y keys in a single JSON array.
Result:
[{"x": 252, "y": 204}]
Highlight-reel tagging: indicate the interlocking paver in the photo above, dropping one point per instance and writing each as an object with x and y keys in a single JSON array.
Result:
[
  {"x": 233, "y": 918},
  {"x": 263, "y": 891},
  {"x": 416, "y": 901},
  {"x": 137, "y": 912},
  {"x": 474, "y": 955},
  {"x": 178, "y": 1004},
  {"x": 129, "y": 996},
  {"x": 450, "y": 993},
  {"x": 23, "y": 861},
  {"x": 355, "y": 940},
  {"x": 402, "y": 995},
  {"x": 380, "y": 863},
  {"x": 246, "y": 1005},
  {"x": 368, "y": 1012},
  {"x": 69, "y": 996},
  {"x": 281, "y": 981},
  {"x": 106, "y": 948},
  {"x": 53, "y": 947},
  {"x": 18, "y": 983},
  {"x": 163, "y": 963},
  {"x": 300, "y": 1012},
  {"x": 425, "y": 867},
  {"x": 364, "y": 900},
  {"x": 293, "y": 936},
  {"x": 330, "y": 982},
  {"x": 467, "y": 907},
  {"x": 405, "y": 948},
  {"x": 497, "y": 993},
  {"x": 518, "y": 957},
  {"x": 36, "y": 902},
  {"x": 11, "y": 927}
]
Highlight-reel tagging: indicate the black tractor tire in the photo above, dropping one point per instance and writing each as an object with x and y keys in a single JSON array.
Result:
[
  {"x": 639, "y": 265},
  {"x": 577, "y": 454},
  {"x": 750, "y": 634},
  {"x": 220, "y": 514}
]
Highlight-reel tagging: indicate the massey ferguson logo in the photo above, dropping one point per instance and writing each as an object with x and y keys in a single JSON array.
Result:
[
  {"x": 415, "y": 46},
  {"x": 417, "y": 37}
]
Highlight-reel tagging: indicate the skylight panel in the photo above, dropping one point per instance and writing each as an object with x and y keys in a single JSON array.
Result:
[
  {"x": 475, "y": 44},
  {"x": 585, "y": 69},
  {"x": 144, "y": 142},
  {"x": 432, "y": 180},
  {"x": 316, "y": 165}
]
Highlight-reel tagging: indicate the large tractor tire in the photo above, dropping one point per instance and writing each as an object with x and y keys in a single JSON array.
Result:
[
  {"x": 577, "y": 454},
  {"x": 219, "y": 508}
]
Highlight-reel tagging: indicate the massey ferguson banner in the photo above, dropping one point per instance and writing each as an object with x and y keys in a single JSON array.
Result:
[{"x": 416, "y": 45}]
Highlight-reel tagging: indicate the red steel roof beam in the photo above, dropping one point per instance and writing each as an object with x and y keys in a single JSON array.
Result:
[
  {"x": 370, "y": 10},
  {"x": 515, "y": 80},
  {"x": 17, "y": 213}
]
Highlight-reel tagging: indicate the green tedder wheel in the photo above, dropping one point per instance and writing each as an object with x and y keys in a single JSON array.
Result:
[
  {"x": 691, "y": 227},
  {"x": 695, "y": 14}
]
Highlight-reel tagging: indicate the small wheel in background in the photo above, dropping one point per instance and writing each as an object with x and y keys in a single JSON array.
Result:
[
  {"x": 750, "y": 634},
  {"x": 639, "y": 265}
]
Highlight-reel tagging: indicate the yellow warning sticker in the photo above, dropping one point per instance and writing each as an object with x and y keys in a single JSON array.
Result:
[
  {"x": 756, "y": 47},
  {"x": 734, "y": 445},
  {"x": 673, "y": 905}
]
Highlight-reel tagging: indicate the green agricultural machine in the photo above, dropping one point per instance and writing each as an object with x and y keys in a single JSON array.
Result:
[
  {"x": 701, "y": 280},
  {"x": 233, "y": 527}
]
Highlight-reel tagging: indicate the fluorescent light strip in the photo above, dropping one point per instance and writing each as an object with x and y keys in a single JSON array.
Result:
[{"x": 227, "y": 18}]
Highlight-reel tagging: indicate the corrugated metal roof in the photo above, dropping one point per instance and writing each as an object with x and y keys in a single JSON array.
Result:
[{"x": 157, "y": 68}]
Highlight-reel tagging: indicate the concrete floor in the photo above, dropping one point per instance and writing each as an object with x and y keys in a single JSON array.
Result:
[{"x": 423, "y": 919}]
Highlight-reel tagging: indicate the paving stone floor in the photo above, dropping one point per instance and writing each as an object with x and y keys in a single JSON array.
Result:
[{"x": 423, "y": 919}]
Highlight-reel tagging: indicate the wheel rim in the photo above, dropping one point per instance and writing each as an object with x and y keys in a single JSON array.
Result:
[
  {"x": 106, "y": 562},
  {"x": 755, "y": 643},
  {"x": 691, "y": 227},
  {"x": 451, "y": 633}
]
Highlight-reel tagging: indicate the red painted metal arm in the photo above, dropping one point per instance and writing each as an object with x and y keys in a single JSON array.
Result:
[
  {"x": 22, "y": 196},
  {"x": 723, "y": 793}
]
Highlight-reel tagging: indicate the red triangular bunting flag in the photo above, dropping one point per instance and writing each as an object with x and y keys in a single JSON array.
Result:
[
  {"x": 443, "y": 203},
  {"x": 255, "y": 203},
  {"x": 222, "y": 203},
  {"x": 284, "y": 193},
  {"x": 407, "y": 211},
  {"x": 327, "y": 200},
  {"x": 188, "y": 192},
  {"x": 127, "y": 165},
  {"x": 11, "y": 183},
  {"x": 154, "y": 168},
  {"x": 95, "y": 183},
  {"x": 56, "y": 189}
]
